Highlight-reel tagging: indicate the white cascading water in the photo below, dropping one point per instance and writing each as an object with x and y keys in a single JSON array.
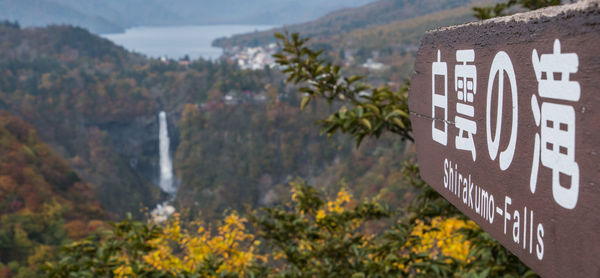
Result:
[
  {"x": 162, "y": 211},
  {"x": 166, "y": 166}
]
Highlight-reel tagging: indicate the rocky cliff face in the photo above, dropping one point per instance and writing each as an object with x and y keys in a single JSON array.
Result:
[
  {"x": 120, "y": 158},
  {"x": 136, "y": 143}
]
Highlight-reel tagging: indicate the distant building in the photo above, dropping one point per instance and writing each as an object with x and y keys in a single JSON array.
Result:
[
  {"x": 260, "y": 97},
  {"x": 231, "y": 98},
  {"x": 184, "y": 63},
  {"x": 375, "y": 66}
]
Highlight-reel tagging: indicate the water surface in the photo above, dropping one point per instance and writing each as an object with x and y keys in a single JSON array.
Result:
[{"x": 177, "y": 41}]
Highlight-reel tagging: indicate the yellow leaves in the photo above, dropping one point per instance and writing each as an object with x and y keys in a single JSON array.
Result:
[
  {"x": 337, "y": 205},
  {"x": 320, "y": 214},
  {"x": 305, "y": 245},
  {"x": 343, "y": 196},
  {"x": 442, "y": 236},
  {"x": 123, "y": 271},
  {"x": 294, "y": 193},
  {"x": 232, "y": 243},
  {"x": 333, "y": 206}
]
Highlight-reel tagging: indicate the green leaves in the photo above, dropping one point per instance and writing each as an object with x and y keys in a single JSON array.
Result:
[
  {"x": 365, "y": 111},
  {"x": 93, "y": 258},
  {"x": 314, "y": 240},
  {"x": 370, "y": 112},
  {"x": 488, "y": 258}
]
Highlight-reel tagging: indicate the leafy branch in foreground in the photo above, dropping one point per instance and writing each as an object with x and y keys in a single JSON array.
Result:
[
  {"x": 364, "y": 111},
  {"x": 373, "y": 111},
  {"x": 317, "y": 237}
]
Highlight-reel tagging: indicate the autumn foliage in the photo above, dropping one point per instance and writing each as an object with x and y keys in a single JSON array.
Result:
[
  {"x": 312, "y": 236},
  {"x": 43, "y": 203}
]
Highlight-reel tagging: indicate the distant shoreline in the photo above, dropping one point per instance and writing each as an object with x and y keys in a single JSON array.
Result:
[{"x": 175, "y": 42}]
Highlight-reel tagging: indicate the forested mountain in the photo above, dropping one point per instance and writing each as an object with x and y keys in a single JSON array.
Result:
[
  {"x": 342, "y": 21},
  {"x": 257, "y": 11},
  {"x": 384, "y": 34},
  {"x": 43, "y": 201},
  {"x": 113, "y": 16},
  {"x": 72, "y": 86},
  {"x": 96, "y": 105},
  {"x": 43, "y": 12},
  {"x": 79, "y": 129},
  {"x": 234, "y": 132},
  {"x": 236, "y": 135},
  {"x": 246, "y": 155},
  {"x": 393, "y": 44}
]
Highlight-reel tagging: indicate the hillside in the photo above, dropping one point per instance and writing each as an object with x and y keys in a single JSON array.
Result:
[
  {"x": 346, "y": 20},
  {"x": 392, "y": 44},
  {"x": 43, "y": 202},
  {"x": 245, "y": 155},
  {"x": 79, "y": 145},
  {"x": 63, "y": 81},
  {"x": 273, "y": 12},
  {"x": 233, "y": 132},
  {"x": 114, "y": 16},
  {"x": 237, "y": 136},
  {"x": 405, "y": 33},
  {"x": 97, "y": 105},
  {"x": 51, "y": 12}
]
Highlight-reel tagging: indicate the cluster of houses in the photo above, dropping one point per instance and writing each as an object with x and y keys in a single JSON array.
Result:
[
  {"x": 253, "y": 58},
  {"x": 256, "y": 58}
]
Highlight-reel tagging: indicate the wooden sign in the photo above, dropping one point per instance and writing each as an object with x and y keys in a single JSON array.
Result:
[{"x": 506, "y": 118}]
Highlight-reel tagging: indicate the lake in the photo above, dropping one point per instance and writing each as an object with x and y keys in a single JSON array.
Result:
[{"x": 177, "y": 41}]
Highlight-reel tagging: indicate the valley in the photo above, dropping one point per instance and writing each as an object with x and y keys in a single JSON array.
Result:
[{"x": 237, "y": 137}]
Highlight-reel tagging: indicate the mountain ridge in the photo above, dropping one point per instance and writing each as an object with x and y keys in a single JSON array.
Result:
[
  {"x": 345, "y": 20},
  {"x": 49, "y": 12},
  {"x": 114, "y": 16}
]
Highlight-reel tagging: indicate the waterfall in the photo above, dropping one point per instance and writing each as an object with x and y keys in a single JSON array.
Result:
[
  {"x": 164, "y": 210},
  {"x": 166, "y": 165}
]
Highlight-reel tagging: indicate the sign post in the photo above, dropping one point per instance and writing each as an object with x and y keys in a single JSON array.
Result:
[{"x": 506, "y": 119}]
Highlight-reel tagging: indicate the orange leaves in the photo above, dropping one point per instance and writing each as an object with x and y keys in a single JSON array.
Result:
[
  {"x": 7, "y": 184},
  {"x": 76, "y": 229}
]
